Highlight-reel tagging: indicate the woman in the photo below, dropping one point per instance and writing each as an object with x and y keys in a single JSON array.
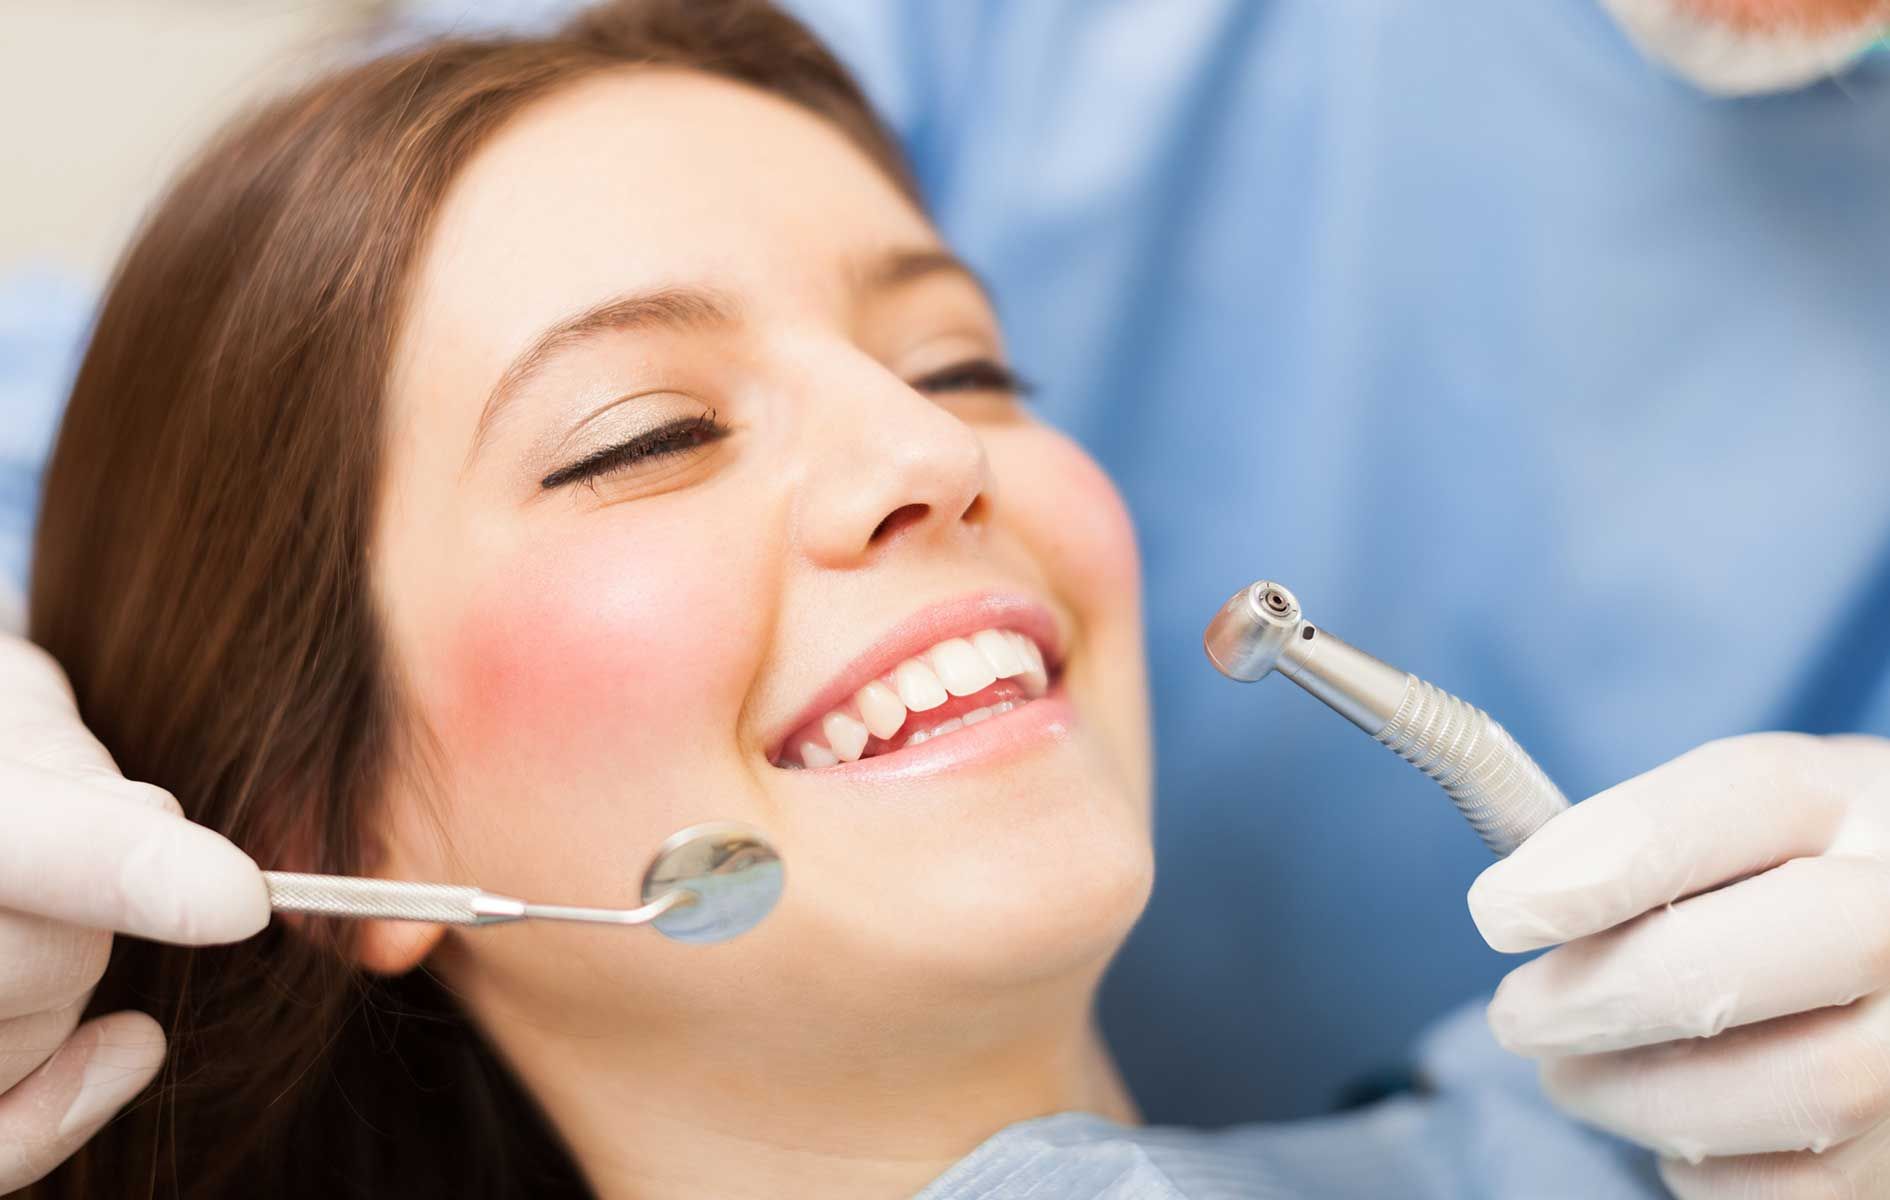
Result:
[
  {"x": 532, "y": 453},
  {"x": 498, "y": 456}
]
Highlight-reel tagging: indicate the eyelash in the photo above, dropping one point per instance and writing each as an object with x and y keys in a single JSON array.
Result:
[
  {"x": 677, "y": 437},
  {"x": 975, "y": 375},
  {"x": 673, "y": 438}
]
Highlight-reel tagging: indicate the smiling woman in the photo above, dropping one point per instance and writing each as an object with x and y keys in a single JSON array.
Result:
[{"x": 499, "y": 455}]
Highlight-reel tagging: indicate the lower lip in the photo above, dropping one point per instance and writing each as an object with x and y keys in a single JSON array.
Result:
[{"x": 1049, "y": 718}]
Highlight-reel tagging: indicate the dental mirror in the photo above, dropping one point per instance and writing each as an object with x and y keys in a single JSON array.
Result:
[
  {"x": 731, "y": 870},
  {"x": 707, "y": 883}
]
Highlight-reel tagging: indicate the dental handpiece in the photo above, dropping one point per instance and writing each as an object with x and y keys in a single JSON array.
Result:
[
  {"x": 707, "y": 883},
  {"x": 1494, "y": 783}
]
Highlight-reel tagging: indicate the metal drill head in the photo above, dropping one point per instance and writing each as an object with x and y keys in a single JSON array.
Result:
[{"x": 1245, "y": 638}]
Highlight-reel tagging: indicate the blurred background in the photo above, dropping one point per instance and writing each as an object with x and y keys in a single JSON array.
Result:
[
  {"x": 107, "y": 96},
  {"x": 105, "y": 99}
]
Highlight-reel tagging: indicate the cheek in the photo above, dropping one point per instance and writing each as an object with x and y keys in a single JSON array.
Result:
[
  {"x": 1079, "y": 531},
  {"x": 605, "y": 647},
  {"x": 1073, "y": 517}
]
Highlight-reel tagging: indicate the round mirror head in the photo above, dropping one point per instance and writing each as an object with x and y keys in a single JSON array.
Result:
[{"x": 730, "y": 869}]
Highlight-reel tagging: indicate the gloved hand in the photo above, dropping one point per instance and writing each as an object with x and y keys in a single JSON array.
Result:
[
  {"x": 1724, "y": 996},
  {"x": 83, "y": 852}
]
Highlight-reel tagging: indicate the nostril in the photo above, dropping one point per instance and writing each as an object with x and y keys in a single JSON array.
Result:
[{"x": 899, "y": 518}]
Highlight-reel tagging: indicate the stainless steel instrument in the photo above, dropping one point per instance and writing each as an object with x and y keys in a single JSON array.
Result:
[
  {"x": 707, "y": 883},
  {"x": 1494, "y": 783}
]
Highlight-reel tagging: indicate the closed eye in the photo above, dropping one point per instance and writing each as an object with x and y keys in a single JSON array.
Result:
[
  {"x": 677, "y": 437},
  {"x": 974, "y": 375}
]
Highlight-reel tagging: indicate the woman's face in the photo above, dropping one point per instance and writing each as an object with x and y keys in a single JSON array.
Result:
[{"x": 703, "y": 470}]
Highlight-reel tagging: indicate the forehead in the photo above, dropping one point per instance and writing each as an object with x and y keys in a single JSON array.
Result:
[{"x": 648, "y": 177}]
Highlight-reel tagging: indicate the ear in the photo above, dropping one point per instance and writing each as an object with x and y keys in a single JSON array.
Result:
[
  {"x": 403, "y": 848},
  {"x": 395, "y": 947},
  {"x": 380, "y": 947}
]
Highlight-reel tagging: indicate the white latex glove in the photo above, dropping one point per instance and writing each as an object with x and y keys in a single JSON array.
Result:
[
  {"x": 1744, "y": 1032},
  {"x": 83, "y": 852}
]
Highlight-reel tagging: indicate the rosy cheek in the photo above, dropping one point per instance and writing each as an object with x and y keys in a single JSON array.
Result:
[
  {"x": 1075, "y": 516},
  {"x": 601, "y": 648}
]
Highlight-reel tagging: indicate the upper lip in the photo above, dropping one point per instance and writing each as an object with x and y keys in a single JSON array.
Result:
[{"x": 921, "y": 631}]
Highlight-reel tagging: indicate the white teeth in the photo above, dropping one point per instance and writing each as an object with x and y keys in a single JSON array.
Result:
[
  {"x": 951, "y": 726},
  {"x": 990, "y": 710},
  {"x": 919, "y": 689},
  {"x": 960, "y": 667},
  {"x": 999, "y": 650},
  {"x": 1033, "y": 655},
  {"x": 1027, "y": 651},
  {"x": 846, "y": 735},
  {"x": 881, "y": 709},
  {"x": 1036, "y": 679},
  {"x": 813, "y": 754},
  {"x": 956, "y": 723}
]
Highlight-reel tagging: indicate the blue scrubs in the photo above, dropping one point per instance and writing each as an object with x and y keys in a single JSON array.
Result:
[{"x": 1530, "y": 368}]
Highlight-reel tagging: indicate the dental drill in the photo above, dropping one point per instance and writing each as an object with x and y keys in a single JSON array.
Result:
[
  {"x": 1494, "y": 783},
  {"x": 707, "y": 883}
]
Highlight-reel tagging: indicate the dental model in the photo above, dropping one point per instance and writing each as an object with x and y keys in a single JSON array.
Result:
[
  {"x": 1494, "y": 783},
  {"x": 958, "y": 682}
]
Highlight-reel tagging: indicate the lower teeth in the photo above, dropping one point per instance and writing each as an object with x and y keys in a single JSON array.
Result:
[
  {"x": 956, "y": 723},
  {"x": 925, "y": 735}
]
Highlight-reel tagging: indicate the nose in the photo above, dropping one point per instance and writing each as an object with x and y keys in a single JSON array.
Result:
[{"x": 885, "y": 466}]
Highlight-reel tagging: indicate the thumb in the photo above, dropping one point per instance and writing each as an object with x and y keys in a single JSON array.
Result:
[
  {"x": 55, "y": 1110},
  {"x": 1720, "y": 812}
]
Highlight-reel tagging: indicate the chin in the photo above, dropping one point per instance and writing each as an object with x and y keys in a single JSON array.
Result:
[
  {"x": 1051, "y": 895},
  {"x": 1076, "y": 920}
]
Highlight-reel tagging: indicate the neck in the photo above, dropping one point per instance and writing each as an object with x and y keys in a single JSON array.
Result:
[{"x": 856, "y": 1111}]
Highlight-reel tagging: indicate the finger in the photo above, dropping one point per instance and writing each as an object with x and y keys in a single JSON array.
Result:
[
  {"x": 39, "y": 721},
  {"x": 1808, "y": 934},
  {"x": 1855, "y": 1170},
  {"x": 54, "y": 1110},
  {"x": 1807, "y": 1082},
  {"x": 1715, "y": 814},
  {"x": 47, "y": 964},
  {"x": 76, "y": 851},
  {"x": 26, "y": 1042}
]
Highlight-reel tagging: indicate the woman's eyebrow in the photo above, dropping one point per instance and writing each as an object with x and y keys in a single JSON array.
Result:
[{"x": 664, "y": 308}]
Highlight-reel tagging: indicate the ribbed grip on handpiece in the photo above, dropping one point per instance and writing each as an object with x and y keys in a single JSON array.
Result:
[
  {"x": 345, "y": 896},
  {"x": 1494, "y": 783}
]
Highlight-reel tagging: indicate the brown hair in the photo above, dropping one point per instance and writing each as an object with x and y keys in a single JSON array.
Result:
[{"x": 201, "y": 572}]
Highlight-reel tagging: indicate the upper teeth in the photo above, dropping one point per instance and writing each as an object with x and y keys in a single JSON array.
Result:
[{"x": 955, "y": 667}]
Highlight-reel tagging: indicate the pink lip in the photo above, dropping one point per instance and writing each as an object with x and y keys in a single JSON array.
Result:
[{"x": 923, "y": 630}]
